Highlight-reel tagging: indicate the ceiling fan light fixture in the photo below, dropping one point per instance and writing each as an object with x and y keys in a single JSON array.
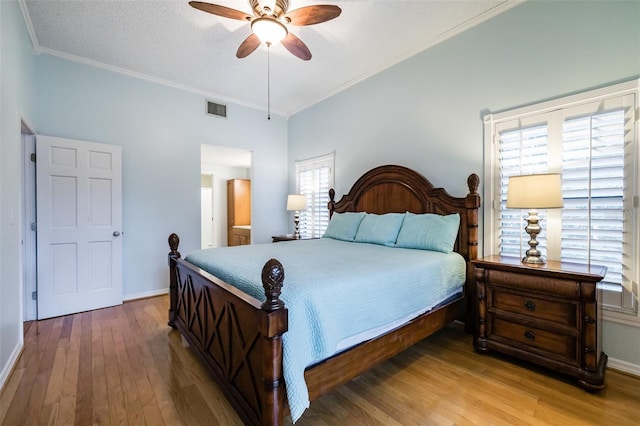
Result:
[
  {"x": 268, "y": 30},
  {"x": 269, "y": 23}
]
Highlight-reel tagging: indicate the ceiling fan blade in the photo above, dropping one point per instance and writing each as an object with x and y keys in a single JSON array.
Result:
[
  {"x": 223, "y": 11},
  {"x": 296, "y": 46},
  {"x": 310, "y": 15},
  {"x": 247, "y": 47}
]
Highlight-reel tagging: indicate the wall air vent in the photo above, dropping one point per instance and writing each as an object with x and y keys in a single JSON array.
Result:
[{"x": 218, "y": 110}]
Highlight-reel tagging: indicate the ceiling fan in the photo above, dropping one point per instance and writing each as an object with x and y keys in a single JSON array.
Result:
[{"x": 269, "y": 23}]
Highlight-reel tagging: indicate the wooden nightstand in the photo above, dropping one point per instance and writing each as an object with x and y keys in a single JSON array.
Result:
[
  {"x": 549, "y": 315},
  {"x": 288, "y": 237}
]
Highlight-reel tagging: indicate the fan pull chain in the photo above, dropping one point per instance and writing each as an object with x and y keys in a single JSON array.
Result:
[{"x": 268, "y": 81}]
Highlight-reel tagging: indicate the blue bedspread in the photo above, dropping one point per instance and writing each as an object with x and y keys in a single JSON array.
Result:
[{"x": 331, "y": 289}]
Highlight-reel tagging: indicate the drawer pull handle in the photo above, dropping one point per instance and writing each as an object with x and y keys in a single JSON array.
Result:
[
  {"x": 529, "y": 305},
  {"x": 530, "y": 335}
]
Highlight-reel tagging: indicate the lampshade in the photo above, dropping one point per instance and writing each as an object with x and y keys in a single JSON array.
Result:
[
  {"x": 296, "y": 202},
  {"x": 542, "y": 191},
  {"x": 268, "y": 30}
]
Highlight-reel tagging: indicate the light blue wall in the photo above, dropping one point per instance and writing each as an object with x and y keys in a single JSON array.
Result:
[
  {"x": 426, "y": 112},
  {"x": 17, "y": 102},
  {"x": 160, "y": 130}
]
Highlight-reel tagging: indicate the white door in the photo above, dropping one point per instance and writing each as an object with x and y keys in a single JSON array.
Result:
[{"x": 79, "y": 211}]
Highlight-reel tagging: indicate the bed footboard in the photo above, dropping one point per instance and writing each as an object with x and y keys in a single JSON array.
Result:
[{"x": 237, "y": 337}]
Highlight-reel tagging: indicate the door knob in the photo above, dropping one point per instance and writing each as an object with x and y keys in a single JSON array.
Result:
[{"x": 116, "y": 233}]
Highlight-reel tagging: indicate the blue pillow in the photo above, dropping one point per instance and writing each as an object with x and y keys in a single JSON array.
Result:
[
  {"x": 380, "y": 229},
  {"x": 343, "y": 226},
  {"x": 429, "y": 232}
]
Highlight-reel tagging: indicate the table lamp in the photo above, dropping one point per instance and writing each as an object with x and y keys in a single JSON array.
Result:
[
  {"x": 296, "y": 202},
  {"x": 532, "y": 192}
]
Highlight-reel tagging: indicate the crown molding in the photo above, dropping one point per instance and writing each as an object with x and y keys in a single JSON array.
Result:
[
  {"x": 156, "y": 80},
  {"x": 29, "y": 25}
]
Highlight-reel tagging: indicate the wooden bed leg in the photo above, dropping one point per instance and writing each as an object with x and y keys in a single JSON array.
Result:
[
  {"x": 274, "y": 385},
  {"x": 174, "y": 255},
  {"x": 272, "y": 379}
]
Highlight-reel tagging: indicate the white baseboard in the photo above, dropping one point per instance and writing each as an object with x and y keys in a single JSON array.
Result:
[
  {"x": 624, "y": 366},
  {"x": 11, "y": 362},
  {"x": 145, "y": 294}
]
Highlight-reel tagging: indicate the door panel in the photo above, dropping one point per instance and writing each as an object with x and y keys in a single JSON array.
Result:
[{"x": 79, "y": 211}]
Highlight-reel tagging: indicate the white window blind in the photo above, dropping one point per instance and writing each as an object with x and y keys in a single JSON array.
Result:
[
  {"x": 593, "y": 150},
  {"x": 314, "y": 178},
  {"x": 522, "y": 151},
  {"x": 592, "y": 140}
]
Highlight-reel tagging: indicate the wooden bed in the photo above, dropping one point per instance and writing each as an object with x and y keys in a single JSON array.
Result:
[{"x": 239, "y": 338}]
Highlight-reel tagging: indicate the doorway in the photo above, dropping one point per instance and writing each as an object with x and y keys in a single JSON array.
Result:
[
  {"x": 28, "y": 228},
  {"x": 218, "y": 165}
]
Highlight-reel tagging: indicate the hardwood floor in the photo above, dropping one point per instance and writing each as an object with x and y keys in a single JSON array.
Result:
[{"x": 124, "y": 365}]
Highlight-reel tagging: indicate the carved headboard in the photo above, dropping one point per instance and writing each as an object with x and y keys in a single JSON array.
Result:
[{"x": 398, "y": 189}]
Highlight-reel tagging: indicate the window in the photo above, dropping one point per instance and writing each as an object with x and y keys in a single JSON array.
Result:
[
  {"x": 592, "y": 139},
  {"x": 314, "y": 178}
]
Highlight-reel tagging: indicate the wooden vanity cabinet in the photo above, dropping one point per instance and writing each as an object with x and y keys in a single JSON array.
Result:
[{"x": 238, "y": 212}]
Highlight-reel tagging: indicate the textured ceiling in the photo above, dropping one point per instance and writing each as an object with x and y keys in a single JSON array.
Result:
[{"x": 170, "y": 41}]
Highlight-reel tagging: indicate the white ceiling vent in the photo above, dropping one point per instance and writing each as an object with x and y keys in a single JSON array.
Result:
[{"x": 216, "y": 109}]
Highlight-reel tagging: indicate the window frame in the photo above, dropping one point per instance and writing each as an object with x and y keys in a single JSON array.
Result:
[{"x": 541, "y": 112}]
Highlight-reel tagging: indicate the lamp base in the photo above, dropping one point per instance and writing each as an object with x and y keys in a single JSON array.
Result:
[
  {"x": 534, "y": 260},
  {"x": 296, "y": 221},
  {"x": 533, "y": 256}
]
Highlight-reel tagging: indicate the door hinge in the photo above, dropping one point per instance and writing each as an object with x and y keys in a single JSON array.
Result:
[
  {"x": 34, "y": 226},
  {"x": 34, "y": 295},
  {"x": 33, "y": 157}
]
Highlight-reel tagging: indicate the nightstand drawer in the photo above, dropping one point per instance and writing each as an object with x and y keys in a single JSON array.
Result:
[
  {"x": 564, "y": 346},
  {"x": 528, "y": 282},
  {"x": 549, "y": 309}
]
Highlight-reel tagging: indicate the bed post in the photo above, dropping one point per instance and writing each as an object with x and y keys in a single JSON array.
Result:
[
  {"x": 174, "y": 255},
  {"x": 472, "y": 204},
  {"x": 331, "y": 205},
  {"x": 276, "y": 326}
]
